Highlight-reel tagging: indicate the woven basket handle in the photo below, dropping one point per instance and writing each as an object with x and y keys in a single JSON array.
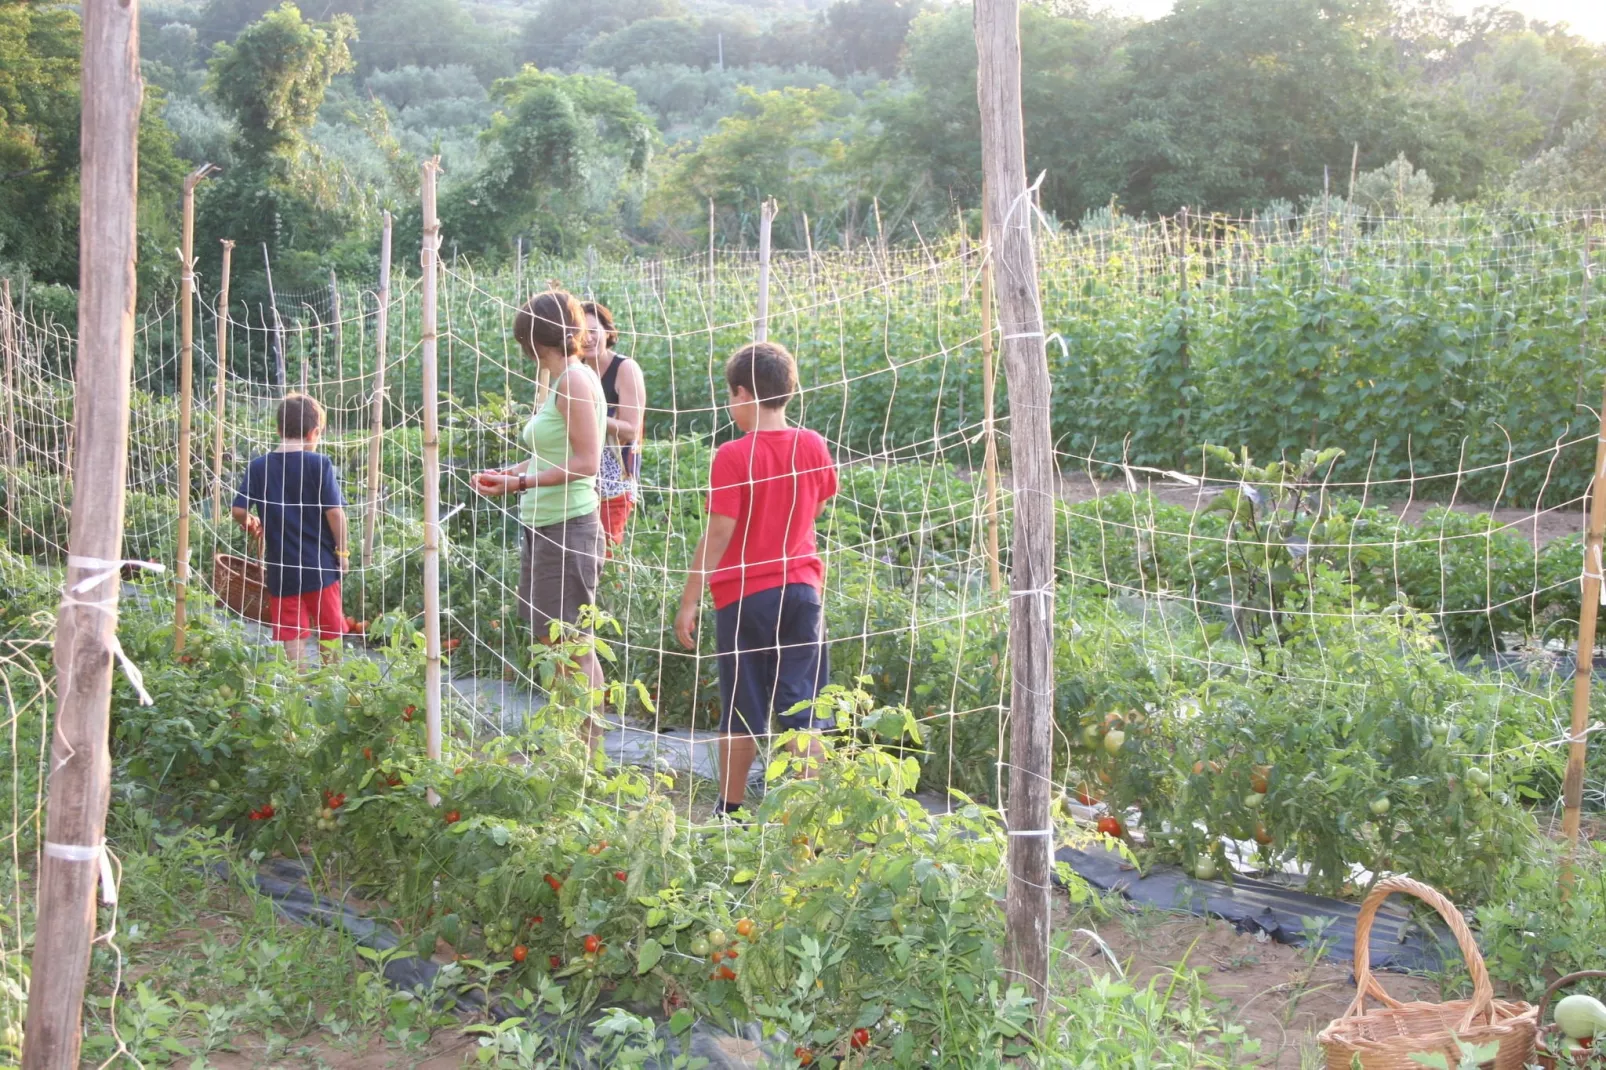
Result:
[
  {"x": 1366, "y": 985},
  {"x": 1560, "y": 983}
]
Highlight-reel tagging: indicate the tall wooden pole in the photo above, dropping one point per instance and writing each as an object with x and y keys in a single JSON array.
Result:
[
  {"x": 220, "y": 400},
  {"x": 1031, "y": 452},
  {"x": 989, "y": 380},
  {"x": 432, "y": 474},
  {"x": 79, "y": 780},
  {"x": 1572, "y": 789},
  {"x": 766, "y": 222},
  {"x": 710, "y": 248},
  {"x": 8, "y": 349},
  {"x": 376, "y": 432},
  {"x": 186, "y": 387}
]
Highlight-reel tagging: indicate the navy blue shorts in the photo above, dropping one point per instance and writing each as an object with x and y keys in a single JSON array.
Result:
[{"x": 772, "y": 656}]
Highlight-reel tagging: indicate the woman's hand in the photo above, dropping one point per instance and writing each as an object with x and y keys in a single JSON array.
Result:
[{"x": 494, "y": 484}]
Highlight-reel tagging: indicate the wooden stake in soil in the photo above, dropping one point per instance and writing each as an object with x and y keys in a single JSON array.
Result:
[
  {"x": 432, "y": 466},
  {"x": 1031, "y": 613},
  {"x": 186, "y": 391},
  {"x": 220, "y": 401},
  {"x": 78, "y": 784},
  {"x": 766, "y": 221},
  {"x": 1572, "y": 789},
  {"x": 376, "y": 424},
  {"x": 989, "y": 462},
  {"x": 710, "y": 249},
  {"x": 8, "y": 351}
]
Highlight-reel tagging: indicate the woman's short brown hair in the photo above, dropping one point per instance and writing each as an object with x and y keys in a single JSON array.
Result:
[
  {"x": 767, "y": 370},
  {"x": 605, "y": 318},
  {"x": 553, "y": 319},
  {"x": 299, "y": 415}
]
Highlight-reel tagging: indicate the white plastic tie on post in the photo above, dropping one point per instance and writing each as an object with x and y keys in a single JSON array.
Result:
[
  {"x": 104, "y": 570},
  {"x": 72, "y": 852}
]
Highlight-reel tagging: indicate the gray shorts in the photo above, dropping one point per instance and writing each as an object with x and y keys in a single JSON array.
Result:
[{"x": 558, "y": 571}]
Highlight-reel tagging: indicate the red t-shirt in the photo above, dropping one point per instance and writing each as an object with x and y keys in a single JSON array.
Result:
[{"x": 772, "y": 483}]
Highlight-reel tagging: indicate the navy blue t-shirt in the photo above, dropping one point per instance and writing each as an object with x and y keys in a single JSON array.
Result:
[{"x": 290, "y": 491}]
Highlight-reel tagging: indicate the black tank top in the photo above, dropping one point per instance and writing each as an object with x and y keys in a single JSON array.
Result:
[{"x": 610, "y": 392}]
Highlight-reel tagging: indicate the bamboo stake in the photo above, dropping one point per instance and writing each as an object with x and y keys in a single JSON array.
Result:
[
  {"x": 376, "y": 432},
  {"x": 432, "y": 475},
  {"x": 220, "y": 401},
  {"x": 989, "y": 463},
  {"x": 1031, "y": 612},
  {"x": 8, "y": 344},
  {"x": 78, "y": 784},
  {"x": 1588, "y": 612},
  {"x": 766, "y": 220},
  {"x": 186, "y": 385},
  {"x": 335, "y": 317},
  {"x": 711, "y": 248}
]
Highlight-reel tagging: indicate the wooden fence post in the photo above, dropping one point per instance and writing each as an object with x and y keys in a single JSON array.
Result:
[
  {"x": 711, "y": 271},
  {"x": 766, "y": 222},
  {"x": 78, "y": 784},
  {"x": 376, "y": 432},
  {"x": 432, "y": 475},
  {"x": 220, "y": 402},
  {"x": 186, "y": 390},
  {"x": 1031, "y": 613}
]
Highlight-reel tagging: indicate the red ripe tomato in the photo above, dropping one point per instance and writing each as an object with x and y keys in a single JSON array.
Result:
[
  {"x": 554, "y": 962},
  {"x": 407, "y": 714},
  {"x": 620, "y": 875},
  {"x": 537, "y": 920},
  {"x": 861, "y": 1038},
  {"x": 1110, "y": 826},
  {"x": 731, "y": 953},
  {"x": 716, "y": 957},
  {"x": 804, "y": 1056},
  {"x": 520, "y": 953},
  {"x": 553, "y": 882},
  {"x": 593, "y": 944},
  {"x": 744, "y": 928},
  {"x": 727, "y": 974}
]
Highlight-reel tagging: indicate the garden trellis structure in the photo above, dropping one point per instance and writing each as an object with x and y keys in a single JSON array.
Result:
[{"x": 1140, "y": 600}]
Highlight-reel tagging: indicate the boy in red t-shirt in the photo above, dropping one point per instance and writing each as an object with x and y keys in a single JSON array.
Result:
[{"x": 759, "y": 560}]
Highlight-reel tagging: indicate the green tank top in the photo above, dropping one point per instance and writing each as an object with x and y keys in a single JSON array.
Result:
[{"x": 546, "y": 436}]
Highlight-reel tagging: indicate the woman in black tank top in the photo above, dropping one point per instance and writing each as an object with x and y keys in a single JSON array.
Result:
[{"x": 625, "y": 390}]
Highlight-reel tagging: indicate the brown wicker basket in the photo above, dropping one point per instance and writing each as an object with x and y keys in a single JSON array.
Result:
[
  {"x": 1551, "y": 1034},
  {"x": 241, "y": 585},
  {"x": 1385, "y": 1038}
]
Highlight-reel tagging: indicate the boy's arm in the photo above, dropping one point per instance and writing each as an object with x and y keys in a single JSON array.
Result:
[
  {"x": 247, "y": 520},
  {"x": 336, "y": 519},
  {"x": 710, "y": 551}
]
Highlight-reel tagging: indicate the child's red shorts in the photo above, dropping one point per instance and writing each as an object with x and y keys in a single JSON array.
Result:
[
  {"x": 297, "y": 616},
  {"x": 615, "y": 513}
]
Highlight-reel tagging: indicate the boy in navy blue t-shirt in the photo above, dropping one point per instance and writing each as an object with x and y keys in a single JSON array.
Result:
[{"x": 301, "y": 515}]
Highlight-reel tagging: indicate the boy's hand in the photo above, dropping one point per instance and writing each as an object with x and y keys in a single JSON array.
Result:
[{"x": 686, "y": 625}]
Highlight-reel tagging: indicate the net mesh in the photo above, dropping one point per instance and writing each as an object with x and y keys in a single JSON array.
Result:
[{"x": 1273, "y": 436}]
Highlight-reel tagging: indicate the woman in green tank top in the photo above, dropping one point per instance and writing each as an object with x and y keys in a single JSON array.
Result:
[{"x": 563, "y": 544}]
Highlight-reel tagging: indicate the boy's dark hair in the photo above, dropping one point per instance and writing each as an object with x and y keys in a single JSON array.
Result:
[
  {"x": 299, "y": 416},
  {"x": 767, "y": 370},
  {"x": 605, "y": 317},
  {"x": 553, "y": 319}
]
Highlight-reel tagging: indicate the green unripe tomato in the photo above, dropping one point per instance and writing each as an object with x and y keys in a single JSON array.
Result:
[
  {"x": 1253, "y": 800},
  {"x": 1380, "y": 805},
  {"x": 1113, "y": 740},
  {"x": 1477, "y": 777},
  {"x": 1204, "y": 868}
]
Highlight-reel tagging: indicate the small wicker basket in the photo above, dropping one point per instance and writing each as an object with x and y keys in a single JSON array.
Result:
[
  {"x": 1550, "y": 1035},
  {"x": 1386, "y": 1037},
  {"x": 241, "y": 585}
]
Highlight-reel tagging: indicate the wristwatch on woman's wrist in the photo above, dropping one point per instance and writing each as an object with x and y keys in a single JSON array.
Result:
[{"x": 521, "y": 482}]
